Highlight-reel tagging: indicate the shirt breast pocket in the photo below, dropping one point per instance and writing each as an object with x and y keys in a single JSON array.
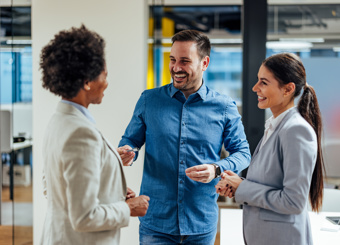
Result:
[{"x": 268, "y": 215}]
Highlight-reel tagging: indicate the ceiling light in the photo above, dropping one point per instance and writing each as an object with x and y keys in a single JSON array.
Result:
[
  {"x": 225, "y": 40},
  {"x": 212, "y": 40},
  {"x": 289, "y": 45},
  {"x": 309, "y": 39},
  {"x": 163, "y": 40},
  {"x": 227, "y": 49},
  {"x": 23, "y": 41}
]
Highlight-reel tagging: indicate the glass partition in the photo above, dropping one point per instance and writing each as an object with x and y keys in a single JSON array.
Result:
[
  {"x": 16, "y": 124},
  {"x": 222, "y": 24},
  {"x": 313, "y": 33}
]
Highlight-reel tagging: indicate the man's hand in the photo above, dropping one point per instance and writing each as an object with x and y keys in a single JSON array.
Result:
[
  {"x": 138, "y": 205},
  {"x": 127, "y": 157},
  {"x": 130, "y": 193},
  {"x": 202, "y": 173}
]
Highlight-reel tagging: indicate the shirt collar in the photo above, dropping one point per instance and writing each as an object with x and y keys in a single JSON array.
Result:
[
  {"x": 82, "y": 109},
  {"x": 173, "y": 90},
  {"x": 268, "y": 123},
  {"x": 273, "y": 122},
  {"x": 202, "y": 91}
]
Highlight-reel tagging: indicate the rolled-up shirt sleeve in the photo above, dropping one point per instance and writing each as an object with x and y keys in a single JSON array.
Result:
[
  {"x": 134, "y": 135},
  {"x": 235, "y": 142}
]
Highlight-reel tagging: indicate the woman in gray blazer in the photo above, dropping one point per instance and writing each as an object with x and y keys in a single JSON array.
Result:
[
  {"x": 287, "y": 166},
  {"x": 88, "y": 200}
]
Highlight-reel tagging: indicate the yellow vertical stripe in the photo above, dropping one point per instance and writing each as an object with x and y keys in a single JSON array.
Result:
[
  {"x": 166, "y": 78},
  {"x": 151, "y": 23},
  {"x": 168, "y": 27},
  {"x": 150, "y": 80},
  {"x": 168, "y": 30},
  {"x": 149, "y": 74}
]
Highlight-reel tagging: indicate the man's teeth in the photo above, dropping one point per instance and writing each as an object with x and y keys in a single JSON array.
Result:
[
  {"x": 180, "y": 75},
  {"x": 261, "y": 98}
]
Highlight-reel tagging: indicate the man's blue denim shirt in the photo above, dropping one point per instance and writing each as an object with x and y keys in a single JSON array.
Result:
[{"x": 179, "y": 134}]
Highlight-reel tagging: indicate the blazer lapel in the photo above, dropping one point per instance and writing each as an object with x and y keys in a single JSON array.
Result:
[
  {"x": 69, "y": 109},
  {"x": 119, "y": 160},
  {"x": 112, "y": 149},
  {"x": 256, "y": 152},
  {"x": 283, "y": 121},
  {"x": 285, "y": 118}
]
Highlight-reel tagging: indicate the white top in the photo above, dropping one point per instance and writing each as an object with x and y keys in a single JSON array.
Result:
[{"x": 271, "y": 124}]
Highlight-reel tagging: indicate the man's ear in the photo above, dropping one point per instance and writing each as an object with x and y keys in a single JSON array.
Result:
[
  {"x": 205, "y": 61},
  {"x": 289, "y": 89}
]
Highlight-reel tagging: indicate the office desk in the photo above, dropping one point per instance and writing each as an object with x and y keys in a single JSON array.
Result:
[
  {"x": 25, "y": 147},
  {"x": 231, "y": 228},
  {"x": 22, "y": 145},
  {"x": 21, "y": 172},
  {"x": 319, "y": 221}
]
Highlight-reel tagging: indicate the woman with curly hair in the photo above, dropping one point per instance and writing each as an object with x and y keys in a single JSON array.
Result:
[{"x": 88, "y": 200}]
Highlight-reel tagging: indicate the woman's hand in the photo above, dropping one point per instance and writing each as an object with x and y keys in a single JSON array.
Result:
[
  {"x": 130, "y": 193},
  {"x": 228, "y": 184},
  {"x": 138, "y": 205},
  {"x": 223, "y": 187}
]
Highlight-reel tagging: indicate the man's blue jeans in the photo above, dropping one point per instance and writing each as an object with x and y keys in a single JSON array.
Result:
[{"x": 150, "y": 237}]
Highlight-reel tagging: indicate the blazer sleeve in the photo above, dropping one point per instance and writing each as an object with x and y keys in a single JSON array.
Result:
[
  {"x": 299, "y": 151},
  {"x": 81, "y": 156}
]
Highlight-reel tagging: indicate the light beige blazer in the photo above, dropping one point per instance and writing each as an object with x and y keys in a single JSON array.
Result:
[{"x": 85, "y": 183}]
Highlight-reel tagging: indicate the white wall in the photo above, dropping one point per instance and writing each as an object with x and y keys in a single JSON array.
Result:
[{"x": 123, "y": 24}]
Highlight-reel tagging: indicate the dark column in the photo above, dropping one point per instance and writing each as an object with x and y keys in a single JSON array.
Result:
[{"x": 254, "y": 29}]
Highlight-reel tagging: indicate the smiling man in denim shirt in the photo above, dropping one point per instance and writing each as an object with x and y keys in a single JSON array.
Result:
[{"x": 184, "y": 125}]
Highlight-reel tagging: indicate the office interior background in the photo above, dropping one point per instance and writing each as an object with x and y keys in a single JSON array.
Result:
[{"x": 137, "y": 35}]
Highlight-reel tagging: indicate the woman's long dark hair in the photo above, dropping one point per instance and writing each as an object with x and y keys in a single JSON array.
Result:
[{"x": 286, "y": 68}]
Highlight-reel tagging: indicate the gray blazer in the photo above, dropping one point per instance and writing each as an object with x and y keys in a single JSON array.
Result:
[
  {"x": 85, "y": 183},
  {"x": 276, "y": 190}
]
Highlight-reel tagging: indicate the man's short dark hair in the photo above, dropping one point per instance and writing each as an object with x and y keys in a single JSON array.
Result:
[
  {"x": 202, "y": 40},
  {"x": 69, "y": 60}
]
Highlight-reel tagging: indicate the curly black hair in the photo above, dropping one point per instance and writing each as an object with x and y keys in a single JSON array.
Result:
[{"x": 69, "y": 60}]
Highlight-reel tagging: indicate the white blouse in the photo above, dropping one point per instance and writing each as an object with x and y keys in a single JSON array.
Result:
[{"x": 271, "y": 124}]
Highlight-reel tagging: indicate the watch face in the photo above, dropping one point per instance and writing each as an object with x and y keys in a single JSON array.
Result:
[{"x": 218, "y": 171}]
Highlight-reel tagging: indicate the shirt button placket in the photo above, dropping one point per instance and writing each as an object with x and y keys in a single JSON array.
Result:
[{"x": 181, "y": 169}]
